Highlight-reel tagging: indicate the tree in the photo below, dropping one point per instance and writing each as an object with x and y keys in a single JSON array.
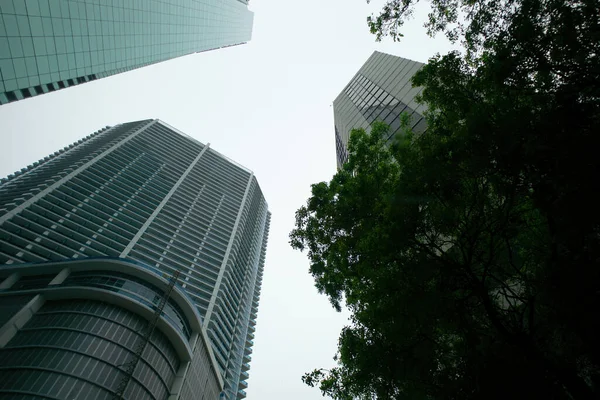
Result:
[
  {"x": 481, "y": 24},
  {"x": 439, "y": 258},
  {"x": 469, "y": 255}
]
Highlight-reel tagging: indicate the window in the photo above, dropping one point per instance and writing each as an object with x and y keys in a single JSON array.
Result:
[
  {"x": 11, "y": 96},
  {"x": 33, "y": 282}
]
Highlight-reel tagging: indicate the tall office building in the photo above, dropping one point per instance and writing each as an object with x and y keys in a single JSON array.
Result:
[
  {"x": 95, "y": 236},
  {"x": 380, "y": 90},
  {"x": 46, "y": 45}
]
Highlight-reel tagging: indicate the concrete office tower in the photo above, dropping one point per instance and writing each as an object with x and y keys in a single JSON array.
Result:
[
  {"x": 46, "y": 45},
  {"x": 380, "y": 90},
  {"x": 95, "y": 232}
]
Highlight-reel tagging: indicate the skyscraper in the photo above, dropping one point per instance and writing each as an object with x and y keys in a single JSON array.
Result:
[
  {"x": 130, "y": 211},
  {"x": 380, "y": 90},
  {"x": 46, "y": 45}
]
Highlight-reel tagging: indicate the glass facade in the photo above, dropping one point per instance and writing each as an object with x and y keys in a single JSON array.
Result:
[
  {"x": 142, "y": 191},
  {"x": 72, "y": 327},
  {"x": 46, "y": 45},
  {"x": 381, "y": 90},
  {"x": 72, "y": 349},
  {"x": 133, "y": 287},
  {"x": 198, "y": 378},
  {"x": 11, "y": 305}
]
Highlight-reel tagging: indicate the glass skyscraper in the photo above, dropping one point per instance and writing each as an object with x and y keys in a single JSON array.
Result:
[
  {"x": 380, "y": 90},
  {"x": 92, "y": 236},
  {"x": 46, "y": 45}
]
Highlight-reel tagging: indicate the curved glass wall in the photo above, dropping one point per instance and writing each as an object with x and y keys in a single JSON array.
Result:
[
  {"x": 77, "y": 349},
  {"x": 134, "y": 288},
  {"x": 130, "y": 286}
]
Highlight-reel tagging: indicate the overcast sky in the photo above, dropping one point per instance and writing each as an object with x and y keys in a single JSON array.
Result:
[{"x": 266, "y": 105}]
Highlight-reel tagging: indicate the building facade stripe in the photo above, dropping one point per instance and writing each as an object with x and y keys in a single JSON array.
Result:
[
  {"x": 217, "y": 287},
  {"x": 60, "y": 182},
  {"x": 158, "y": 209}
]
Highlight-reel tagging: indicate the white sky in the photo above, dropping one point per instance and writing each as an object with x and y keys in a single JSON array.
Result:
[{"x": 266, "y": 105}]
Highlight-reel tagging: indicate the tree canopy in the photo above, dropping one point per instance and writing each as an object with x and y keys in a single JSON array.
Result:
[
  {"x": 469, "y": 255},
  {"x": 480, "y": 24}
]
